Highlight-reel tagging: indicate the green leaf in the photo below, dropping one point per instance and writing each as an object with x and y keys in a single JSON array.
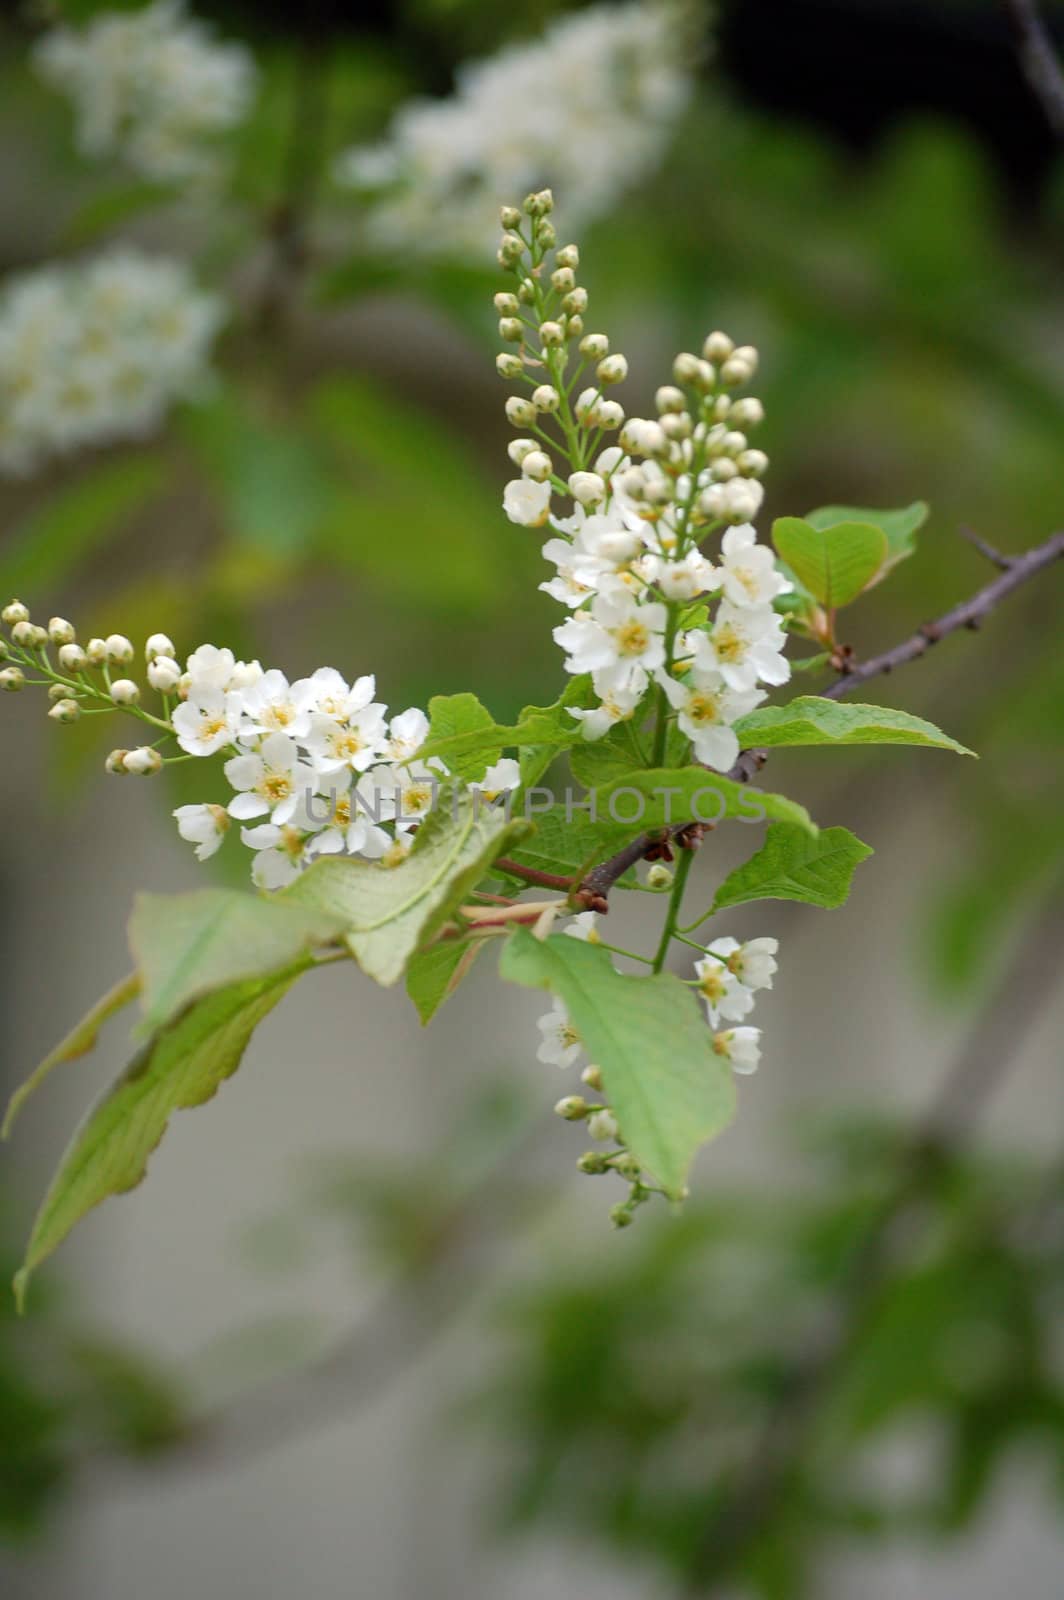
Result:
[
  {"x": 78, "y": 1042},
  {"x": 835, "y": 564},
  {"x": 113, "y": 208},
  {"x": 600, "y": 761},
  {"x": 186, "y": 945},
  {"x": 182, "y": 1066},
  {"x": 793, "y": 866},
  {"x": 669, "y": 1089},
  {"x": 567, "y": 843},
  {"x": 453, "y": 715},
  {"x": 387, "y": 912},
  {"x": 434, "y": 974},
  {"x": 810, "y": 719},
  {"x": 658, "y": 796},
  {"x": 49, "y": 543},
  {"x": 548, "y": 726},
  {"x": 900, "y": 527}
]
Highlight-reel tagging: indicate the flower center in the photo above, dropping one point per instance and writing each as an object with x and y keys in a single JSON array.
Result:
[
  {"x": 632, "y": 638},
  {"x": 703, "y": 708},
  {"x": 728, "y": 643},
  {"x": 276, "y": 786}
]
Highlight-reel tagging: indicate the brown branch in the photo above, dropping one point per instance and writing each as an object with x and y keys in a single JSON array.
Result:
[
  {"x": 545, "y": 880},
  {"x": 769, "y": 1471},
  {"x": 1039, "y": 60}
]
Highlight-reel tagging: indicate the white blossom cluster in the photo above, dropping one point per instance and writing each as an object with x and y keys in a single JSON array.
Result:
[
  {"x": 150, "y": 86},
  {"x": 98, "y": 351},
  {"x": 637, "y": 555},
  {"x": 588, "y": 108},
  {"x": 729, "y": 976}
]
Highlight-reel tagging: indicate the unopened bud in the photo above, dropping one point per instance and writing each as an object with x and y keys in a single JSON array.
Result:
[
  {"x": 27, "y": 635},
  {"x": 510, "y": 217},
  {"x": 676, "y": 425},
  {"x": 659, "y": 876},
  {"x": 537, "y": 466},
  {"x": 14, "y": 612},
  {"x": 574, "y": 1108},
  {"x": 124, "y": 692},
  {"x": 510, "y": 250},
  {"x": 736, "y": 372},
  {"x": 593, "y": 1162},
  {"x": 521, "y": 413},
  {"x": 718, "y": 347},
  {"x": 621, "y": 1216},
  {"x": 509, "y": 366},
  {"x": 511, "y": 329},
  {"x": 143, "y": 762},
  {"x": 96, "y": 652},
  {"x": 612, "y": 369},
  {"x": 60, "y": 631},
  {"x": 563, "y": 279},
  {"x": 164, "y": 674},
  {"x": 752, "y": 463},
  {"x": 685, "y": 368},
  {"x": 12, "y": 679},
  {"x": 507, "y": 304},
  {"x": 592, "y": 1076},
  {"x": 551, "y": 333},
  {"x": 539, "y": 204},
  {"x": 568, "y": 256},
  {"x": 116, "y": 763},
  {"x": 609, "y": 414},
  {"x": 587, "y": 488},
  {"x": 160, "y": 644},
  {"x": 575, "y": 302},
  {"x": 602, "y": 1125},
  {"x": 746, "y": 413},
  {"x": 518, "y": 449},
  {"x": 627, "y": 1166},
  {"x": 574, "y": 326},
  {"x": 65, "y": 711},
  {"x": 119, "y": 649},
  {"x": 669, "y": 398},
  {"x": 58, "y": 691},
  {"x": 546, "y": 397}
]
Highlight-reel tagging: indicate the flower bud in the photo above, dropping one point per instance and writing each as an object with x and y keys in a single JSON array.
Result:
[
  {"x": 593, "y": 1162},
  {"x": 563, "y": 279},
  {"x": 574, "y": 326},
  {"x": 713, "y": 502},
  {"x": 627, "y": 1166},
  {"x": 119, "y": 649},
  {"x": 537, "y": 466},
  {"x": 509, "y": 366},
  {"x": 159, "y": 644},
  {"x": 677, "y": 425},
  {"x": 124, "y": 692},
  {"x": 718, "y": 347},
  {"x": 568, "y": 256},
  {"x": 143, "y": 762},
  {"x": 669, "y": 398},
  {"x": 612, "y": 369},
  {"x": 747, "y": 413},
  {"x": 96, "y": 652},
  {"x": 587, "y": 488},
  {"x": 507, "y": 304},
  {"x": 510, "y": 250},
  {"x": 12, "y": 679},
  {"x": 752, "y": 463},
  {"x": 551, "y": 333},
  {"x": 685, "y": 368},
  {"x": 526, "y": 292},
  {"x": 58, "y": 691},
  {"x": 60, "y": 631},
  {"x": 602, "y": 1125},
  {"x": 594, "y": 346},
  {"x": 27, "y": 635},
  {"x": 621, "y": 1216},
  {"x": 539, "y": 204},
  {"x": 546, "y": 397},
  {"x": 4, "y": 651},
  {"x": 546, "y": 235},
  {"x": 660, "y": 876},
  {"x": 511, "y": 329},
  {"x": 724, "y": 470},
  {"x": 574, "y": 1108},
  {"x": 736, "y": 371},
  {"x": 510, "y": 217},
  {"x": 733, "y": 443},
  {"x": 575, "y": 302},
  {"x": 518, "y": 449},
  {"x": 65, "y": 711},
  {"x": 164, "y": 674},
  {"x": 609, "y": 414},
  {"x": 521, "y": 413},
  {"x": 14, "y": 612},
  {"x": 116, "y": 763},
  {"x": 592, "y": 1076}
]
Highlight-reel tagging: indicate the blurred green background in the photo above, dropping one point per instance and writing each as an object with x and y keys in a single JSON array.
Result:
[{"x": 828, "y": 1372}]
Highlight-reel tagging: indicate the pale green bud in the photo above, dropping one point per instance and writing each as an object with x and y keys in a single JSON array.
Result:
[
  {"x": 718, "y": 347},
  {"x": 593, "y": 1162},
  {"x": 563, "y": 279},
  {"x": 526, "y": 292},
  {"x": 12, "y": 679},
  {"x": 747, "y": 413},
  {"x": 27, "y": 635},
  {"x": 752, "y": 463},
  {"x": 60, "y": 631},
  {"x": 574, "y": 1108},
  {"x": 96, "y": 652},
  {"x": 546, "y": 235},
  {"x": 519, "y": 412},
  {"x": 511, "y": 329},
  {"x": 507, "y": 304},
  {"x": 602, "y": 1124},
  {"x": 72, "y": 658},
  {"x": 620, "y": 1216},
  {"x": 627, "y": 1166},
  {"x": 539, "y": 204},
  {"x": 594, "y": 346},
  {"x": 551, "y": 333},
  {"x": 574, "y": 327},
  {"x": 65, "y": 711},
  {"x": 685, "y": 368},
  {"x": 546, "y": 397},
  {"x": 14, "y": 612},
  {"x": 568, "y": 256},
  {"x": 659, "y": 876},
  {"x": 592, "y": 1076},
  {"x": 116, "y": 763},
  {"x": 119, "y": 649},
  {"x": 143, "y": 762},
  {"x": 612, "y": 369},
  {"x": 510, "y": 250},
  {"x": 575, "y": 302},
  {"x": 510, "y": 217},
  {"x": 124, "y": 692},
  {"x": 509, "y": 366}
]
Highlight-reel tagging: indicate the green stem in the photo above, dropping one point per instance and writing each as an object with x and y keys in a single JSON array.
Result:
[
  {"x": 683, "y": 867},
  {"x": 661, "y": 731}
]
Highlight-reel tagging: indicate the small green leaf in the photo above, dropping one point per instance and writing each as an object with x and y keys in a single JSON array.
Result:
[
  {"x": 434, "y": 974},
  {"x": 453, "y": 715},
  {"x": 182, "y": 1066},
  {"x": 601, "y": 761},
  {"x": 388, "y": 912},
  {"x": 549, "y": 726},
  {"x": 658, "y": 796},
  {"x": 185, "y": 945},
  {"x": 670, "y": 1090},
  {"x": 835, "y": 564},
  {"x": 900, "y": 527},
  {"x": 78, "y": 1042},
  {"x": 810, "y": 719},
  {"x": 792, "y": 866}
]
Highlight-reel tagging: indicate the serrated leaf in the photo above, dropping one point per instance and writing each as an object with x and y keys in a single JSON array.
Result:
[
  {"x": 835, "y": 564},
  {"x": 669, "y": 1089},
  {"x": 434, "y": 974},
  {"x": 388, "y": 912},
  {"x": 793, "y": 866},
  {"x": 181, "y": 1067},
  {"x": 601, "y": 761},
  {"x": 899, "y": 526},
  {"x": 810, "y": 719},
  {"x": 78, "y": 1042},
  {"x": 659, "y": 796},
  {"x": 186, "y": 945},
  {"x": 548, "y": 726},
  {"x": 567, "y": 841},
  {"x": 453, "y": 715}
]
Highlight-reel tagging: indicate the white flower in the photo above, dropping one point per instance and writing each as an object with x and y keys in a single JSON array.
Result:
[
  {"x": 687, "y": 578},
  {"x": 207, "y": 721},
  {"x": 602, "y": 1125},
  {"x": 617, "y": 705},
  {"x": 616, "y": 633},
  {"x": 272, "y": 705},
  {"x": 707, "y": 708},
  {"x": 527, "y": 502},
  {"x": 722, "y": 991},
  {"x": 280, "y": 854},
  {"x": 405, "y": 793},
  {"x": 345, "y": 820},
  {"x": 584, "y": 926},
  {"x": 209, "y": 667},
  {"x": 753, "y": 963},
  {"x": 271, "y": 781},
  {"x": 150, "y": 85},
  {"x": 356, "y": 742},
  {"x": 406, "y": 734},
  {"x": 501, "y": 778},
  {"x": 204, "y": 826},
  {"x": 744, "y": 645},
  {"x": 560, "y": 1045},
  {"x": 750, "y": 576},
  {"x": 740, "y": 1046}
]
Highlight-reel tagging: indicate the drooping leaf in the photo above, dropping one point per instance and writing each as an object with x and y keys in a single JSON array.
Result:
[
  {"x": 434, "y": 974},
  {"x": 791, "y": 865},
  {"x": 388, "y": 912},
  {"x": 810, "y": 719},
  {"x": 899, "y": 526},
  {"x": 186, "y": 945},
  {"x": 835, "y": 564},
  {"x": 181, "y": 1066},
  {"x": 451, "y": 716},
  {"x": 670, "y": 1090},
  {"x": 78, "y": 1042}
]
